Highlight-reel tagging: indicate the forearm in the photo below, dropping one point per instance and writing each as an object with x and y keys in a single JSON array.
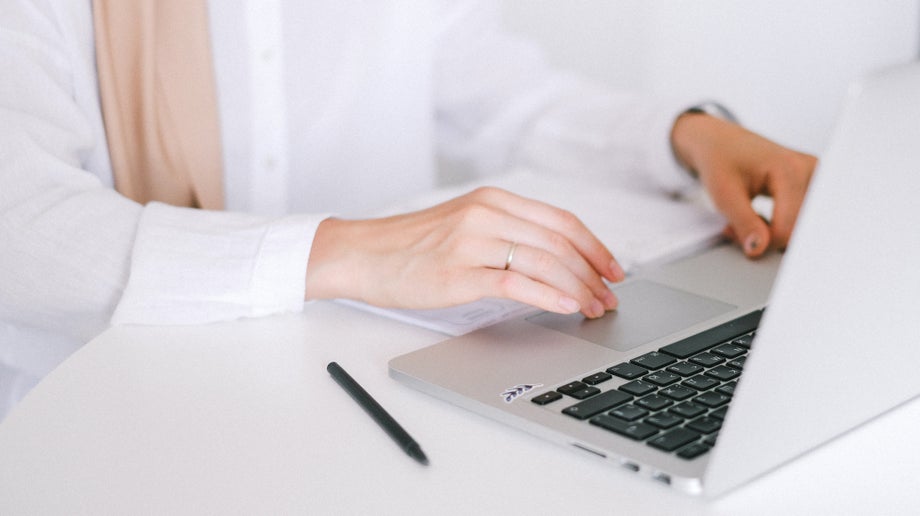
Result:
[
  {"x": 71, "y": 244},
  {"x": 65, "y": 255},
  {"x": 535, "y": 116},
  {"x": 615, "y": 138}
]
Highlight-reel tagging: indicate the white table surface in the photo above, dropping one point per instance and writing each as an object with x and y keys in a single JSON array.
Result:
[{"x": 242, "y": 418}]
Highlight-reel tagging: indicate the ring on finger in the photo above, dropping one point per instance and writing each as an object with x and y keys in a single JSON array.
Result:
[{"x": 510, "y": 255}]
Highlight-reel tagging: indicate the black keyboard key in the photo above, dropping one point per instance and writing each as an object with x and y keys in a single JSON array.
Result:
[
  {"x": 700, "y": 382},
  {"x": 693, "y": 451},
  {"x": 664, "y": 420},
  {"x": 654, "y": 402},
  {"x": 674, "y": 439},
  {"x": 546, "y": 398},
  {"x": 638, "y": 387},
  {"x": 729, "y": 350},
  {"x": 688, "y": 410},
  {"x": 678, "y": 392},
  {"x": 719, "y": 413},
  {"x": 723, "y": 373},
  {"x": 653, "y": 360},
  {"x": 711, "y": 439},
  {"x": 596, "y": 378},
  {"x": 737, "y": 363},
  {"x": 745, "y": 341},
  {"x": 705, "y": 425},
  {"x": 628, "y": 412},
  {"x": 593, "y": 406},
  {"x": 662, "y": 378},
  {"x": 585, "y": 393},
  {"x": 712, "y": 399},
  {"x": 728, "y": 388},
  {"x": 707, "y": 359},
  {"x": 627, "y": 371},
  {"x": 685, "y": 368},
  {"x": 709, "y": 338},
  {"x": 633, "y": 430},
  {"x": 569, "y": 388}
]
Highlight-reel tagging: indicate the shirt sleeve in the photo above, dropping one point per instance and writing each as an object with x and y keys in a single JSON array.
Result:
[
  {"x": 500, "y": 106},
  {"x": 72, "y": 248},
  {"x": 65, "y": 238},
  {"x": 193, "y": 266}
]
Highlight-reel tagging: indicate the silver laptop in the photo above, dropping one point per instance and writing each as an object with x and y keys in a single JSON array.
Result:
[{"x": 656, "y": 387}]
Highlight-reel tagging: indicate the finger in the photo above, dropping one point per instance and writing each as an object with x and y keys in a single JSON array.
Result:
[
  {"x": 545, "y": 250},
  {"x": 787, "y": 200},
  {"x": 733, "y": 200},
  {"x": 560, "y": 221},
  {"x": 545, "y": 267},
  {"x": 512, "y": 285}
]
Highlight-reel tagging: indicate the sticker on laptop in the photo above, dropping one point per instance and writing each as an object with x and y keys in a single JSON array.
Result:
[{"x": 512, "y": 393}]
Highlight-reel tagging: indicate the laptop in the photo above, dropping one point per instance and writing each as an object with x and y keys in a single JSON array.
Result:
[{"x": 716, "y": 369}]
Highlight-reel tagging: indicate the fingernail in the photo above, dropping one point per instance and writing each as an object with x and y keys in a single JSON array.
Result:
[
  {"x": 569, "y": 305},
  {"x": 751, "y": 243},
  {"x": 616, "y": 271}
]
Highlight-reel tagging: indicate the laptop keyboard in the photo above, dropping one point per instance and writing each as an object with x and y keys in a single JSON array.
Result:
[{"x": 673, "y": 399}]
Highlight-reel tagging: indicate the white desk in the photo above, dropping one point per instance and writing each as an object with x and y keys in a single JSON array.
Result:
[{"x": 242, "y": 418}]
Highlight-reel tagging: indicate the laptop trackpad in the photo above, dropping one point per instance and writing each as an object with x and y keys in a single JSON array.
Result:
[{"x": 647, "y": 311}]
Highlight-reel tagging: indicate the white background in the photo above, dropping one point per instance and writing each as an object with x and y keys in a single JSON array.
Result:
[{"x": 781, "y": 65}]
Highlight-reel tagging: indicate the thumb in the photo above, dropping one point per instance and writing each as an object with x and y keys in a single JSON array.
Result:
[
  {"x": 752, "y": 232},
  {"x": 730, "y": 195}
]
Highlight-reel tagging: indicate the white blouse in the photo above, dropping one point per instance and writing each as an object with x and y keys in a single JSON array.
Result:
[{"x": 328, "y": 106}]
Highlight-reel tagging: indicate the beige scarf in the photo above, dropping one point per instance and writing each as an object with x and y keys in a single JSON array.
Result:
[{"x": 159, "y": 100}]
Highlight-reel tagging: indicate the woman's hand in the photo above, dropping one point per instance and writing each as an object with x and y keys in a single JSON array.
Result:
[
  {"x": 735, "y": 165},
  {"x": 457, "y": 252}
]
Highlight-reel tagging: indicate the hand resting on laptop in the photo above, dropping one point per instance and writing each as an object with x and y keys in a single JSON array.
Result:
[
  {"x": 735, "y": 165},
  {"x": 493, "y": 243}
]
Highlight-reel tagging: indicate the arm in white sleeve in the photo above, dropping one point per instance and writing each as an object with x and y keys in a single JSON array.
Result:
[
  {"x": 194, "y": 266},
  {"x": 70, "y": 243},
  {"x": 500, "y": 106},
  {"x": 65, "y": 238}
]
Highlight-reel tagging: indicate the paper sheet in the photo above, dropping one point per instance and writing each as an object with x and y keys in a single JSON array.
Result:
[{"x": 639, "y": 228}]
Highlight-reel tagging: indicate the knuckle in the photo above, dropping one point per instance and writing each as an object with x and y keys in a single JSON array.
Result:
[
  {"x": 474, "y": 214},
  {"x": 486, "y": 193},
  {"x": 792, "y": 167},
  {"x": 569, "y": 221}
]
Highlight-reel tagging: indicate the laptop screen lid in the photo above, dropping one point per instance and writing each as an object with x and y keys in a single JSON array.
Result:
[{"x": 838, "y": 344}]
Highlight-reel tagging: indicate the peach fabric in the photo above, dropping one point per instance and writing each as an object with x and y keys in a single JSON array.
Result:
[{"x": 158, "y": 98}]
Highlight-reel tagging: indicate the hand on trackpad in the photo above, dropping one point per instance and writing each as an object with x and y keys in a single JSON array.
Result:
[{"x": 647, "y": 311}]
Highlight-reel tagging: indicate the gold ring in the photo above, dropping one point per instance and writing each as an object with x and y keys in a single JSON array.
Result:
[{"x": 510, "y": 255}]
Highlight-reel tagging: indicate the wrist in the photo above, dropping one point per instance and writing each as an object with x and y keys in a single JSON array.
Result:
[
  {"x": 693, "y": 127},
  {"x": 329, "y": 275},
  {"x": 686, "y": 137}
]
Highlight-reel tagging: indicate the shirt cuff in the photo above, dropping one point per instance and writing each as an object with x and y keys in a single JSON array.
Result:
[
  {"x": 193, "y": 266},
  {"x": 663, "y": 164}
]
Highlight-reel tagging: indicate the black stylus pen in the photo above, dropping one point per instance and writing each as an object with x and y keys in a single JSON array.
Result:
[{"x": 370, "y": 405}]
